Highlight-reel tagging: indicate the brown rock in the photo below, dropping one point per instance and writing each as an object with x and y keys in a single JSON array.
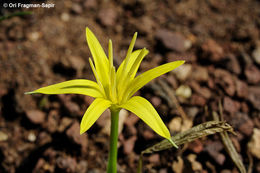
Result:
[
  {"x": 254, "y": 144},
  {"x": 233, "y": 64},
  {"x": 129, "y": 145},
  {"x": 73, "y": 133},
  {"x": 225, "y": 80},
  {"x": 154, "y": 158},
  {"x": 52, "y": 121},
  {"x": 196, "y": 146},
  {"x": 252, "y": 74},
  {"x": 241, "y": 89},
  {"x": 203, "y": 91},
  {"x": 156, "y": 101},
  {"x": 66, "y": 164},
  {"x": 254, "y": 96},
  {"x": 76, "y": 8},
  {"x": 243, "y": 123},
  {"x": 200, "y": 74},
  {"x": 213, "y": 51},
  {"x": 198, "y": 100},
  {"x": 214, "y": 151},
  {"x": 36, "y": 116},
  {"x": 173, "y": 40},
  {"x": 107, "y": 16},
  {"x": 92, "y": 4},
  {"x": 230, "y": 105}
]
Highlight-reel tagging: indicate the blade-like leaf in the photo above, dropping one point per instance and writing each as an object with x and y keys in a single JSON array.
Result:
[
  {"x": 149, "y": 75},
  {"x": 93, "y": 112},
  {"x": 144, "y": 110},
  {"x": 77, "y": 86}
]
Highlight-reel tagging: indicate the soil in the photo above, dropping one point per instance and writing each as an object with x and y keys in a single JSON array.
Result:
[{"x": 220, "y": 41}]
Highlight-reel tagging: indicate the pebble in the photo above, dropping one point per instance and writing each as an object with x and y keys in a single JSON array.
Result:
[
  {"x": 213, "y": 51},
  {"x": 129, "y": 144},
  {"x": 233, "y": 64},
  {"x": 73, "y": 133},
  {"x": 36, "y": 116},
  {"x": 200, "y": 74},
  {"x": 214, "y": 149},
  {"x": 254, "y": 143},
  {"x": 107, "y": 16},
  {"x": 184, "y": 72},
  {"x": 31, "y": 137},
  {"x": 184, "y": 91},
  {"x": 256, "y": 55},
  {"x": 66, "y": 164},
  {"x": 252, "y": 74},
  {"x": 3, "y": 136},
  {"x": 226, "y": 81},
  {"x": 173, "y": 40},
  {"x": 254, "y": 96},
  {"x": 230, "y": 105},
  {"x": 241, "y": 89},
  {"x": 243, "y": 123},
  {"x": 198, "y": 100},
  {"x": 154, "y": 158}
]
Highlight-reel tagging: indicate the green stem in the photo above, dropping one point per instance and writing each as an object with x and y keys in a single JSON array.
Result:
[{"x": 112, "y": 158}]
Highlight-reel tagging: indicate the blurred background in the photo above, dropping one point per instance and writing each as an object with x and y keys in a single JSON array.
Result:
[{"x": 41, "y": 46}]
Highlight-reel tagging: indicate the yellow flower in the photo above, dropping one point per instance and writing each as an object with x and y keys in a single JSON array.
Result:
[{"x": 114, "y": 89}]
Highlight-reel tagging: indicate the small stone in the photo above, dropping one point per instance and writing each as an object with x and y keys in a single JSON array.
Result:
[
  {"x": 254, "y": 144},
  {"x": 184, "y": 72},
  {"x": 200, "y": 74},
  {"x": 92, "y": 4},
  {"x": 76, "y": 8},
  {"x": 73, "y": 133},
  {"x": 65, "y": 17},
  {"x": 230, "y": 105},
  {"x": 213, "y": 51},
  {"x": 77, "y": 63},
  {"x": 156, "y": 101},
  {"x": 3, "y": 136},
  {"x": 36, "y": 116},
  {"x": 241, "y": 89},
  {"x": 154, "y": 158},
  {"x": 184, "y": 91},
  {"x": 198, "y": 100},
  {"x": 252, "y": 74},
  {"x": 107, "y": 16},
  {"x": 226, "y": 81},
  {"x": 233, "y": 64},
  {"x": 82, "y": 166},
  {"x": 66, "y": 164},
  {"x": 196, "y": 166},
  {"x": 203, "y": 91},
  {"x": 175, "y": 124},
  {"x": 256, "y": 55},
  {"x": 31, "y": 137},
  {"x": 196, "y": 146},
  {"x": 65, "y": 122},
  {"x": 173, "y": 40},
  {"x": 243, "y": 123},
  {"x": 129, "y": 145},
  {"x": 214, "y": 151},
  {"x": 254, "y": 96},
  {"x": 52, "y": 121},
  {"x": 178, "y": 166}
]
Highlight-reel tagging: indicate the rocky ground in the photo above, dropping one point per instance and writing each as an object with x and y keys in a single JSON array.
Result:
[{"x": 220, "y": 41}]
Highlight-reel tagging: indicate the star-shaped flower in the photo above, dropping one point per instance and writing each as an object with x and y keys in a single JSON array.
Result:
[{"x": 113, "y": 88}]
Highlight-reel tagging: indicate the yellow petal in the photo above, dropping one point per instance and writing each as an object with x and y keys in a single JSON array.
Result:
[
  {"x": 99, "y": 56},
  {"x": 149, "y": 75},
  {"x": 77, "y": 86},
  {"x": 93, "y": 112},
  {"x": 144, "y": 110},
  {"x": 132, "y": 59}
]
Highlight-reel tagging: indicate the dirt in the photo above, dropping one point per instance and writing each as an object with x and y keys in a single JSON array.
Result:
[{"x": 220, "y": 41}]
